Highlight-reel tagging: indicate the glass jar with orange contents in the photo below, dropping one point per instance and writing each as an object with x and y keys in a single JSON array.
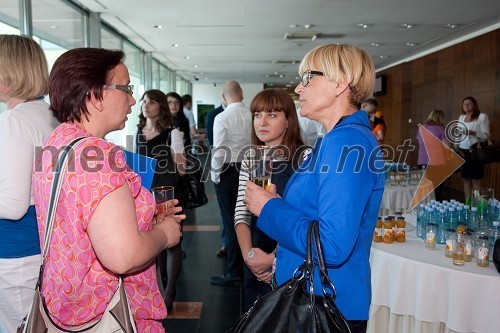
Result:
[
  {"x": 377, "y": 234},
  {"x": 388, "y": 232},
  {"x": 400, "y": 229}
]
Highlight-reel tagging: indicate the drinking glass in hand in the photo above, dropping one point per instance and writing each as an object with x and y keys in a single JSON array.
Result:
[
  {"x": 261, "y": 166},
  {"x": 163, "y": 196}
]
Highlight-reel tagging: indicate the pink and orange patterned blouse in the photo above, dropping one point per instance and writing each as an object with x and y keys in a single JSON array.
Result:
[{"x": 76, "y": 287}]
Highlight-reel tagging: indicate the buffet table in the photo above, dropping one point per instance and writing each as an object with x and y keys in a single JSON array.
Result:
[
  {"x": 419, "y": 290},
  {"x": 398, "y": 198}
]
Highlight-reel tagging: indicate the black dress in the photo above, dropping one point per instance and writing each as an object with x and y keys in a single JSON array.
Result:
[{"x": 159, "y": 148}]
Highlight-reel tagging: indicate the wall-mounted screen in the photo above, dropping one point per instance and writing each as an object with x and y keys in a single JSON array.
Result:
[{"x": 379, "y": 85}]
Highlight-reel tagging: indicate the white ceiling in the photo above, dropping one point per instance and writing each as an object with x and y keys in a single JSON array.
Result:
[{"x": 239, "y": 39}]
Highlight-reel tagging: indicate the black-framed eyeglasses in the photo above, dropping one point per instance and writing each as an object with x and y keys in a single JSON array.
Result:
[
  {"x": 129, "y": 89},
  {"x": 308, "y": 75}
]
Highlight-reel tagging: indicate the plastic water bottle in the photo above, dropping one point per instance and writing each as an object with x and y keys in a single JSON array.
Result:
[
  {"x": 466, "y": 212},
  {"x": 459, "y": 212},
  {"x": 430, "y": 218},
  {"x": 496, "y": 214},
  {"x": 420, "y": 220},
  {"x": 474, "y": 219},
  {"x": 441, "y": 222},
  {"x": 452, "y": 218},
  {"x": 494, "y": 235}
]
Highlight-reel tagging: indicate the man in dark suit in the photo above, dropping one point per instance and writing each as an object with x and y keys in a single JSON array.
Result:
[{"x": 222, "y": 252}]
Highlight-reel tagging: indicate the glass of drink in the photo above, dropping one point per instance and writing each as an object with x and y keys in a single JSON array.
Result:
[
  {"x": 459, "y": 251},
  {"x": 261, "y": 166},
  {"x": 162, "y": 196}
]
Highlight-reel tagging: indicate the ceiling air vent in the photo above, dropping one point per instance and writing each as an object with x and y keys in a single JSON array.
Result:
[
  {"x": 285, "y": 62},
  {"x": 300, "y": 36},
  {"x": 310, "y": 36}
]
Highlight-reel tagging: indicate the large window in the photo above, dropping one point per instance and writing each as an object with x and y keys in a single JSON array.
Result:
[
  {"x": 110, "y": 40},
  {"x": 156, "y": 74},
  {"x": 164, "y": 79},
  {"x": 58, "y": 25},
  {"x": 58, "y": 22}
]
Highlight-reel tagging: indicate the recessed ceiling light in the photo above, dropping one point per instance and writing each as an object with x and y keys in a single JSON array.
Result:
[
  {"x": 362, "y": 25},
  {"x": 375, "y": 44},
  {"x": 157, "y": 26},
  {"x": 451, "y": 25},
  {"x": 175, "y": 45},
  {"x": 54, "y": 27},
  {"x": 293, "y": 26},
  {"x": 195, "y": 66},
  {"x": 407, "y": 26},
  {"x": 410, "y": 44},
  {"x": 206, "y": 78},
  {"x": 307, "y": 26},
  {"x": 186, "y": 57},
  {"x": 383, "y": 57}
]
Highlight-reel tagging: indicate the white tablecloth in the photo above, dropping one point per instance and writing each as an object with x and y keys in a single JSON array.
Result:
[
  {"x": 419, "y": 290},
  {"x": 398, "y": 198}
]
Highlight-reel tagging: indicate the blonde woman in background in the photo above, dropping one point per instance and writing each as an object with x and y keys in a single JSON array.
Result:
[
  {"x": 434, "y": 154},
  {"x": 25, "y": 125}
]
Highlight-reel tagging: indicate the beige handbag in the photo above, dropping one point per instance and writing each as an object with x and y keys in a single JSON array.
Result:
[{"x": 116, "y": 318}]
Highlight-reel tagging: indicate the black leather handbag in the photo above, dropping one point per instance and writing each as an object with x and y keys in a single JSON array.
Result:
[
  {"x": 193, "y": 191},
  {"x": 293, "y": 307},
  {"x": 486, "y": 152}
]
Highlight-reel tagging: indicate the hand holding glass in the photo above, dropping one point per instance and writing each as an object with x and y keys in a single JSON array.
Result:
[
  {"x": 261, "y": 166},
  {"x": 163, "y": 196}
]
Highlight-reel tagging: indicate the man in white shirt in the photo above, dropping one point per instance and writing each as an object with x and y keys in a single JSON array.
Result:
[{"x": 232, "y": 132}]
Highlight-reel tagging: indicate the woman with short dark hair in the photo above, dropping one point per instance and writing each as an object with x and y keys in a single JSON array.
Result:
[{"x": 105, "y": 220}]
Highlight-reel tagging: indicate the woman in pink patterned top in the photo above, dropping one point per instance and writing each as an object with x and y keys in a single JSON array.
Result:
[{"x": 104, "y": 218}]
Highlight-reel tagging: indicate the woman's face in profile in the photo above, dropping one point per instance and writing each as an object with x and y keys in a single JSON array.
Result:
[
  {"x": 118, "y": 102},
  {"x": 317, "y": 96},
  {"x": 150, "y": 108},
  {"x": 270, "y": 127},
  {"x": 174, "y": 105}
]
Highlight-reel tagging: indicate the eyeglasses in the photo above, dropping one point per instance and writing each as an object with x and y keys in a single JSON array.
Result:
[
  {"x": 308, "y": 75},
  {"x": 129, "y": 89}
]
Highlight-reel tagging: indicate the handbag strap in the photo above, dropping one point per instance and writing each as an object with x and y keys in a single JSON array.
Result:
[
  {"x": 313, "y": 237},
  {"x": 54, "y": 196}
]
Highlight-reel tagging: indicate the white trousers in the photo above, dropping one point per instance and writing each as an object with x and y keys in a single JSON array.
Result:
[{"x": 17, "y": 288}]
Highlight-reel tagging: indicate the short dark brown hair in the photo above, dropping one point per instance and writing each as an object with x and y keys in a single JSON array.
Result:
[
  {"x": 77, "y": 75},
  {"x": 278, "y": 100}
]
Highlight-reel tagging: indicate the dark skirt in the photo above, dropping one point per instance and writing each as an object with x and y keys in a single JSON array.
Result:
[{"x": 471, "y": 169}]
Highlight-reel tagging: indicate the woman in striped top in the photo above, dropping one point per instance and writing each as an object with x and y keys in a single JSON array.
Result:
[{"x": 275, "y": 125}]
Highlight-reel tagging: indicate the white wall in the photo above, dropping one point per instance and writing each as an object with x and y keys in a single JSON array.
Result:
[{"x": 204, "y": 93}]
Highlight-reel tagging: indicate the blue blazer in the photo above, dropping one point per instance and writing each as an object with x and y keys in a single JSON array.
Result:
[{"x": 340, "y": 184}]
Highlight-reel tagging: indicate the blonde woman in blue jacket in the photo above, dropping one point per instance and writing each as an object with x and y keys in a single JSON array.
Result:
[{"x": 340, "y": 183}]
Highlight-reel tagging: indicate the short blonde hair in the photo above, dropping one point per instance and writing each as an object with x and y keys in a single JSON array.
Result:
[
  {"x": 343, "y": 63},
  {"x": 23, "y": 67}
]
